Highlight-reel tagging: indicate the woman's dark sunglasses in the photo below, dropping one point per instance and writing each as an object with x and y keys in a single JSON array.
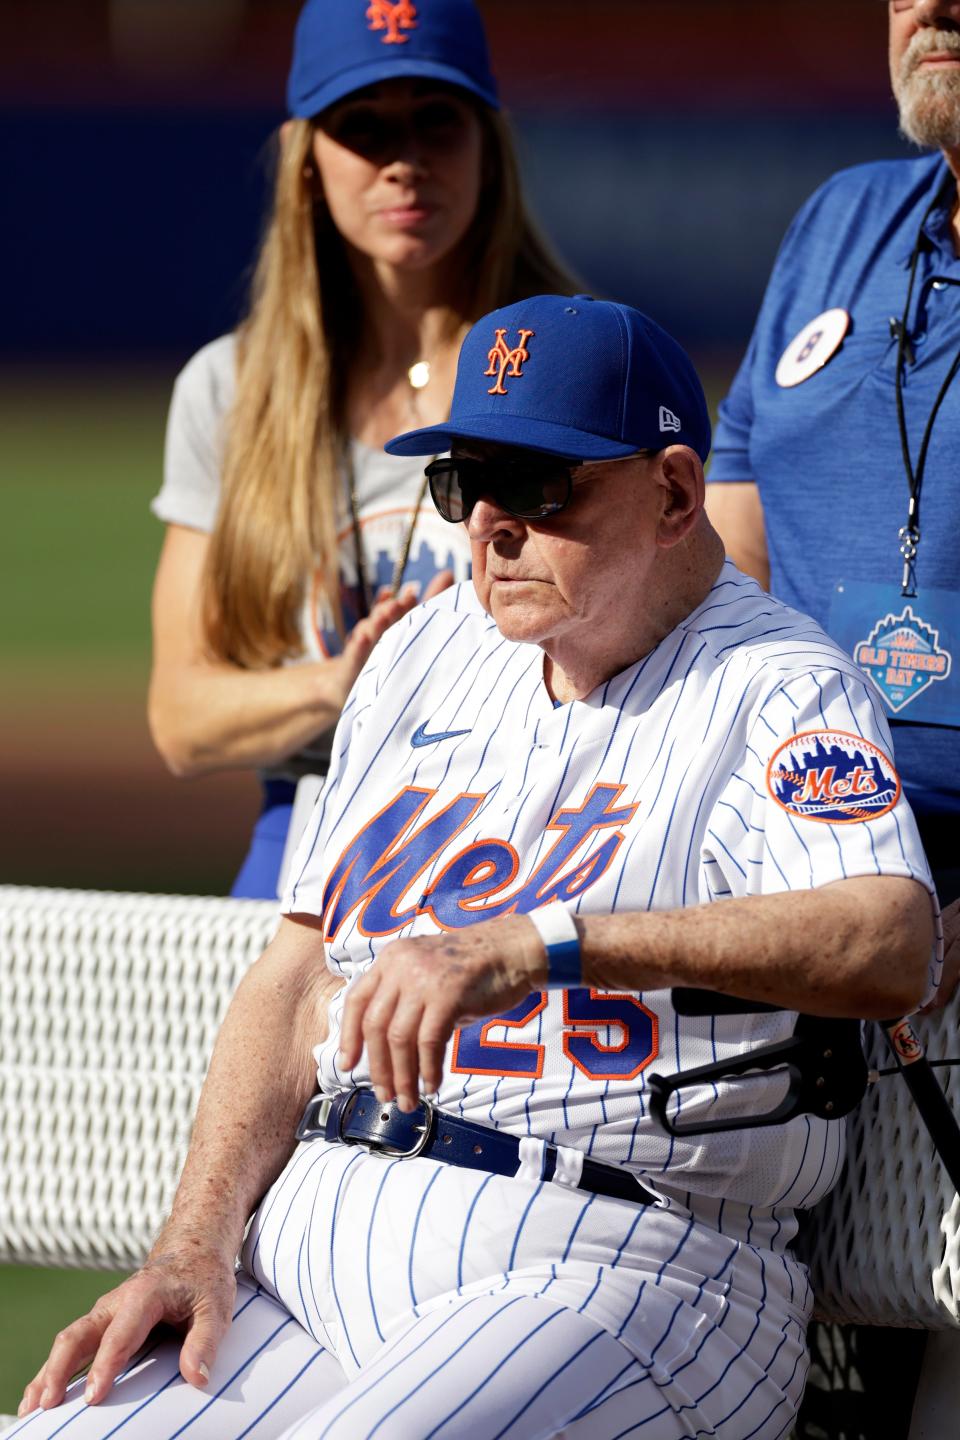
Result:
[{"x": 530, "y": 486}]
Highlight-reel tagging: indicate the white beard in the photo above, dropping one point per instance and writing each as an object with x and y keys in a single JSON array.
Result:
[{"x": 929, "y": 102}]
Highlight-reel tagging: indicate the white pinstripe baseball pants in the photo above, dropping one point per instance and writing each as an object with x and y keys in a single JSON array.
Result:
[{"x": 449, "y": 1303}]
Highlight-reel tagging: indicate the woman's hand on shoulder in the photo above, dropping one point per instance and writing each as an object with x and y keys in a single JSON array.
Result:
[
  {"x": 208, "y": 714},
  {"x": 185, "y": 1283},
  {"x": 387, "y": 610},
  {"x": 440, "y": 582}
]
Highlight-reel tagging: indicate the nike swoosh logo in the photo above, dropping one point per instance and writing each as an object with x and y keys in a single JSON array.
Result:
[{"x": 420, "y": 736}]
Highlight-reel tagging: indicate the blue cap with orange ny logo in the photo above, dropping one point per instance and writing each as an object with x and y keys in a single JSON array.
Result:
[
  {"x": 586, "y": 379},
  {"x": 344, "y": 45}
]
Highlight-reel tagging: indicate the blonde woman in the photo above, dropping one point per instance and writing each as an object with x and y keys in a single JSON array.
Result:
[{"x": 293, "y": 541}]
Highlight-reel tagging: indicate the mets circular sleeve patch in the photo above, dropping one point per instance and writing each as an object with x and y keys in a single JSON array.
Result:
[{"x": 832, "y": 776}]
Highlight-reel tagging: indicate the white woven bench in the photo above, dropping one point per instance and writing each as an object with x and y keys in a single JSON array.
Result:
[{"x": 109, "y": 1005}]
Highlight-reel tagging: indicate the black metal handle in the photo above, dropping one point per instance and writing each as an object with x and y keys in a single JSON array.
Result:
[
  {"x": 823, "y": 1064},
  {"x": 825, "y": 1069}
]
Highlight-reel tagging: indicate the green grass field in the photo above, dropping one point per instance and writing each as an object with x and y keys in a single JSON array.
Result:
[{"x": 80, "y": 459}]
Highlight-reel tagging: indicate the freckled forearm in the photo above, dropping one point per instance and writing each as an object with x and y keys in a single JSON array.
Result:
[
  {"x": 857, "y": 947},
  {"x": 261, "y": 1075}
]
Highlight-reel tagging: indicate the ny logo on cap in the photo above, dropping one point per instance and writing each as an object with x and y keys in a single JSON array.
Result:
[
  {"x": 504, "y": 361},
  {"x": 392, "y": 16}
]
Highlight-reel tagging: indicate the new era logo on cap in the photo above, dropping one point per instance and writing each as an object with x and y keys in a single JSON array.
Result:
[{"x": 669, "y": 421}]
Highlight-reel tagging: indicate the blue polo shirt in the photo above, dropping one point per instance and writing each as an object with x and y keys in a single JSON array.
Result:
[{"x": 826, "y": 454}]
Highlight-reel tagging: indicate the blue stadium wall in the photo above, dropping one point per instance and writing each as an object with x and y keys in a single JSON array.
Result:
[{"x": 665, "y": 146}]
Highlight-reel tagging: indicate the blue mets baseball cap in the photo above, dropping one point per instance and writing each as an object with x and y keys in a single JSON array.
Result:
[
  {"x": 578, "y": 377},
  {"x": 342, "y": 45}
]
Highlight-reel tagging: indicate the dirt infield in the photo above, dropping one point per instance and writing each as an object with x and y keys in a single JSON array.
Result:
[{"x": 90, "y": 804}]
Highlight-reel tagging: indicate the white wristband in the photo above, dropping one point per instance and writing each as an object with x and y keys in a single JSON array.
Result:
[{"x": 556, "y": 928}]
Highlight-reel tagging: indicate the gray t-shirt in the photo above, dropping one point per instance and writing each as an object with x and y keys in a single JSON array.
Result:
[{"x": 386, "y": 487}]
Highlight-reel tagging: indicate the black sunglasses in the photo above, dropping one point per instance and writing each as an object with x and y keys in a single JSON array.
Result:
[{"x": 530, "y": 486}]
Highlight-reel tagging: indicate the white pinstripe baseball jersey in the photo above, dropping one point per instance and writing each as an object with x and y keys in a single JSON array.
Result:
[
  {"x": 745, "y": 755},
  {"x": 694, "y": 1335}
]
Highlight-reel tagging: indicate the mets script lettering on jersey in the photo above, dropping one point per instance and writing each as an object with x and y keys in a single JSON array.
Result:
[
  {"x": 392, "y": 16},
  {"x": 380, "y": 865},
  {"x": 503, "y": 361}
]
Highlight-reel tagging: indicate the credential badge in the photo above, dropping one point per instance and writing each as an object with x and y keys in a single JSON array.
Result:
[{"x": 902, "y": 656}]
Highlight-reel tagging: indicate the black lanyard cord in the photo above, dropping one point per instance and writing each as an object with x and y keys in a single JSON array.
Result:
[
  {"x": 367, "y": 598},
  {"x": 909, "y": 534}
]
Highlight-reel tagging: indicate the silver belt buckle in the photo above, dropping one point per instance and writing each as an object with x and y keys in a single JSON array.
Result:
[
  {"x": 313, "y": 1120},
  {"x": 425, "y": 1136},
  {"x": 323, "y": 1110}
]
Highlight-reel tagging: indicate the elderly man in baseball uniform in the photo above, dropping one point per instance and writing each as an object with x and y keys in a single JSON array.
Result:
[{"x": 609, "y": 766}]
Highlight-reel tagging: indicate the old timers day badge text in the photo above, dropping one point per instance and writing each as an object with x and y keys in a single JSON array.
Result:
[
  {"x": 832, "y": 776},
  {"x": 902, "y": 656},
  {"x": 905, "y": 645}
]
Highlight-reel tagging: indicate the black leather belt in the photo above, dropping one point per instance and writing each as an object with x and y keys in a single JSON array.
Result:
[{"x": 356, "y": 1117}]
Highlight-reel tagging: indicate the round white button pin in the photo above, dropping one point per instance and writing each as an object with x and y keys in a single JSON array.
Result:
[{"x": 812, "y": 348}]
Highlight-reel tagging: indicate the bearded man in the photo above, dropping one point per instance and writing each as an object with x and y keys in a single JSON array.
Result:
[{"x": 834, "y": 478}]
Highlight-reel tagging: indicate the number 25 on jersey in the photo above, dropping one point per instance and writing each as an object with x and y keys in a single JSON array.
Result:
[{"x": 607, "y": 1036}]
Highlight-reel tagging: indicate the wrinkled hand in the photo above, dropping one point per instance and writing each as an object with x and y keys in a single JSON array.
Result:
[
  {"x": 190, "y": 1288},
  {"x": 951, "y": 958},
  {"x": 387, "y": 610},
  {"x": 418, "y": 991}
]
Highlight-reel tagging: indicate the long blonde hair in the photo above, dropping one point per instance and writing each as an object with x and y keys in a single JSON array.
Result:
[{"x": 286, "y": 433}]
